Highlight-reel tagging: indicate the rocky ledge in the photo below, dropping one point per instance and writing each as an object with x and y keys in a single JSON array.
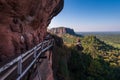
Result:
[{"x": 23, "y": 24}]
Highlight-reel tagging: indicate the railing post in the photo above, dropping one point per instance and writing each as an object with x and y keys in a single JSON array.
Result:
[
  {"x": 48, "y": 43},
  {"x": 42, "y": 45},
  {"x": 20, "y": 66},
  {"x": 35, "y": 52}
]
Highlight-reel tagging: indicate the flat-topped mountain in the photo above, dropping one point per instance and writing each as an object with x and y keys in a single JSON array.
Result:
[{"x": 62, "y": 30}]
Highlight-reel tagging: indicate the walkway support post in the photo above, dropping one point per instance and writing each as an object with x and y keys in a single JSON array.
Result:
[
  {"x": 35, "y": 52},
  {"x": 20, "y": 66}
]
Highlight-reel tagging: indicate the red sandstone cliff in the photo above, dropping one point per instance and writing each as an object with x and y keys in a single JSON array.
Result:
[{"x": 23, "y": 24}]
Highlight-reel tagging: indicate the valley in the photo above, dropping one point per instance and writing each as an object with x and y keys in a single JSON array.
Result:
[{"x": 98, "y": 61}]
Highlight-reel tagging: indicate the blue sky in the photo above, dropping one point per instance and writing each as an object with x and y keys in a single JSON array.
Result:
[{"x": 89, "y": 15}]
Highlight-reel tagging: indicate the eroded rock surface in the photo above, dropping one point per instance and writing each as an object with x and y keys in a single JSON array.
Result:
[{"x": 23, "y": 24}]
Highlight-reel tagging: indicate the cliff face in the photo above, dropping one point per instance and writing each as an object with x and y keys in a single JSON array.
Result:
[
  {"x": 23, "y": 24},
  {"x": 62, "y": 30}
]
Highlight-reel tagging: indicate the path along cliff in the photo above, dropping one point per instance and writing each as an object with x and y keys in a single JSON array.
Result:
[{"x": 23, "y": 24}]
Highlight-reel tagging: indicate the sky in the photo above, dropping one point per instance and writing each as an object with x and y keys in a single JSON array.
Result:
[{"x": 89, "y": 15}]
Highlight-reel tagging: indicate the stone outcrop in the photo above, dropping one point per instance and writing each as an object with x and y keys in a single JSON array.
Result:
[
  {"x": 62, "y": 30},
  {"x": 23, "y": 24}
]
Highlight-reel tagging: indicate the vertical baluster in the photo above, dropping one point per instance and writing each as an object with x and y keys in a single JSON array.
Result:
[
  {"x": 20, "y": 66},
  {"x": 35, "y": 52},
  {"x": 35, "y": 56},
  {"x": 48, "y": 43},
  {"x": 42, "y": 46}
]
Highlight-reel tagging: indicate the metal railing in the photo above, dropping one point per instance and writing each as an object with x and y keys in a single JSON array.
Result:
[{"x": 17, "y": 62}]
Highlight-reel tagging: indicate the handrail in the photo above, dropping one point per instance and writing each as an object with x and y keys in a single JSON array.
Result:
[
  {"x": 25, "y": 71},
  {"x": 23, "y": 57}
]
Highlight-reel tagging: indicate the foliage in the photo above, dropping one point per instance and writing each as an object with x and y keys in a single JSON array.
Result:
[
  {"x": 98, "y": 60},
  {"x": 112, "y": 38}
]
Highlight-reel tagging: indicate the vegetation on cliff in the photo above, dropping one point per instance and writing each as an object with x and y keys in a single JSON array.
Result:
[{"x": 98, "y": 60}]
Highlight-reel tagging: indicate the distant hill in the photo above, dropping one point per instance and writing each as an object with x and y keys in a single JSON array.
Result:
[
  {"x": 93, "y": 41},
  {"x": 62, "y": 30},
  {"x": 112, "y": 38}
]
